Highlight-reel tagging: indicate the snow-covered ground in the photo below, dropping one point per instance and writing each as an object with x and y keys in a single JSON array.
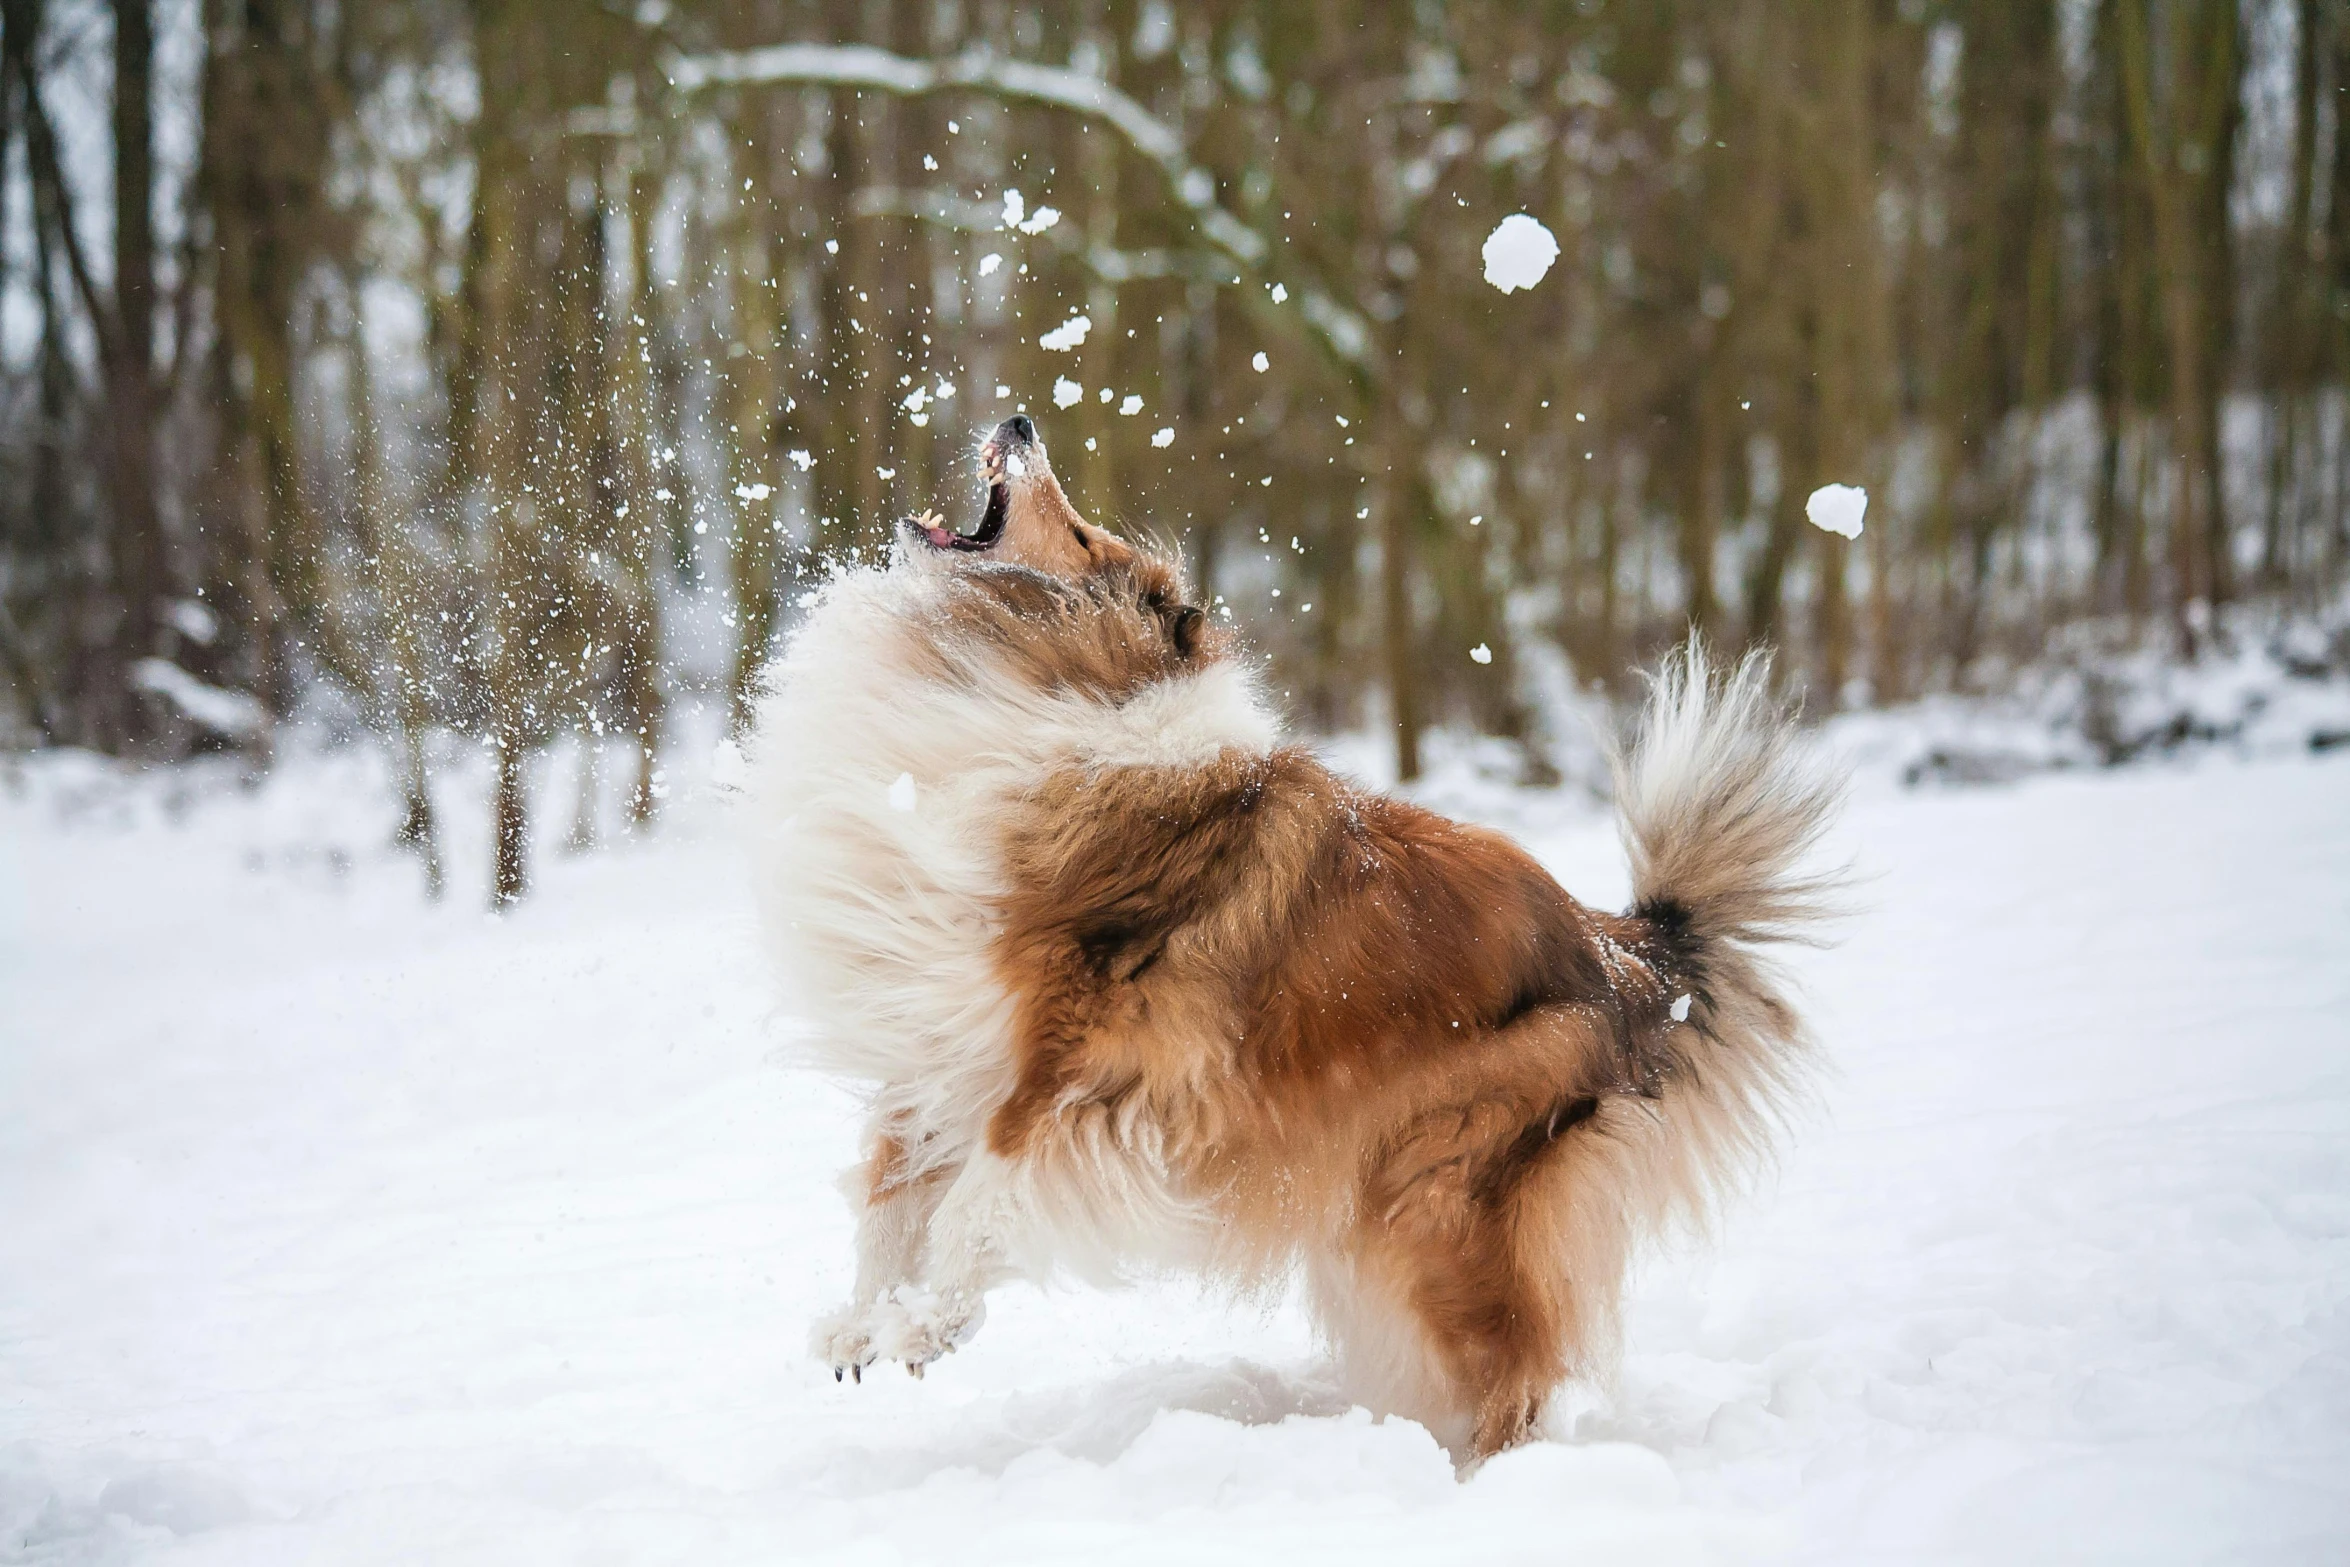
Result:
[{"x": 340, "y": 1228}]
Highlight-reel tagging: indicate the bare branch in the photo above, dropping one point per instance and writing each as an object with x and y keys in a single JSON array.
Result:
[{"x": 54, "y": 202}]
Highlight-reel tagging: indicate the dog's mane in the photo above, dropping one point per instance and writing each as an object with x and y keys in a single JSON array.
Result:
[{"x": 1106, "y": 635}]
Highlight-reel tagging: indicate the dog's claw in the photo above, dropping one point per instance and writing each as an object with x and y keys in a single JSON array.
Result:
[
  {"x": 914, "y": 1369},
  {"x": 858, "y": 1372},
  {"x": 836, "y": 1373}
]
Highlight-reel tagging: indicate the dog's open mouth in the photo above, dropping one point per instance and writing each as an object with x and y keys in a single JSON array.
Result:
[
  {"x": 991, "y": 524},
  {"x": 1002, "y": 461}
]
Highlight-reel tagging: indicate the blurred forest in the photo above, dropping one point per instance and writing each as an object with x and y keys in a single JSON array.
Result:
[{"x": 499, "y": 369}]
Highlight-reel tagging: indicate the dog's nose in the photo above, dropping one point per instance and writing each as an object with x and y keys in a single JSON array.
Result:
[{"x": 1019, "y": 430}]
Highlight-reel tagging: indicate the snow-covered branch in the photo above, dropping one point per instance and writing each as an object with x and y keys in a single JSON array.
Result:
[
  {"x": 977, "y": 70},
  {"x": 859, "y": 65}
]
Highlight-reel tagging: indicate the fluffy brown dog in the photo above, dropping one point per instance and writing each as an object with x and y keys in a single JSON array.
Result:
[{"x": 1133, "y": 982}]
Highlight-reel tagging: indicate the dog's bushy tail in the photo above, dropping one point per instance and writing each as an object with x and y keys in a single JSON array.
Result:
[{"x": 1722, "y": 802}]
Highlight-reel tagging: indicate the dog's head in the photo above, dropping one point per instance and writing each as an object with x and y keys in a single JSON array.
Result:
[
  {"x": 1028, "y": 520},
  {"x": 1029, "y": 528}
]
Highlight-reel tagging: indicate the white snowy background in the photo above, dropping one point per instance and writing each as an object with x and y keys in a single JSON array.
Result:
[{"x": 339, "y": 1227}]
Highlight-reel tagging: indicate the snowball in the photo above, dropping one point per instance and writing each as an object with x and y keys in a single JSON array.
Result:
[
  {"x": 1066, "y": 336},
  {"x": 1681, "y": 1009},
  {"x": 1066, "y": 392},
  {"x": 901, "y": 793},
  {"x": 1481, "y": 654},
  {"x": 1163, "y": 437},
  {"x": 1132, "y": 405},
  {"x": 1260, "y": 364},
  {"x": 1837, "y": 508},
  {"x": 989, "y": 262},
  {"x": 752, "y": 492},
  {"x": 1518, "y": 252},
  {"x": 800, "y": 459}
]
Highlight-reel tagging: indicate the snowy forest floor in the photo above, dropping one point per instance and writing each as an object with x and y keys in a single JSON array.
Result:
[{"x": 339, "y": 1227}]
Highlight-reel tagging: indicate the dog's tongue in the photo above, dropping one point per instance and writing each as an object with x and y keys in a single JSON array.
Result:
[{"x": 943, "y": 538}]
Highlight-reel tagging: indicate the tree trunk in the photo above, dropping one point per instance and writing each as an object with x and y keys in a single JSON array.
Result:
[
  {"x": 136, "y": 541},
  {"x": 510, "y": 873}
]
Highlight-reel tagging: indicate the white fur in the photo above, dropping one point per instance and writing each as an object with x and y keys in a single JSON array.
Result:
[{"x": 882, "y": 921}]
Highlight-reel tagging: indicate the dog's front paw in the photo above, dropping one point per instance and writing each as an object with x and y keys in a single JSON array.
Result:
[
  {"x": 846, "y": 1339},
  {"x": 927, "y": 1324}
]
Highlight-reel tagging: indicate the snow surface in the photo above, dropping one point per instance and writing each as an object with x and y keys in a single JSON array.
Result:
[
  {"x": 345, "y": 1228},
  {"x": 1518, "y": 252}
]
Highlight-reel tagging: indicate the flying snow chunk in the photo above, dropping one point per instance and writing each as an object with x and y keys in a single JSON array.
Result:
[
  {"x": 1837, "y": 508},
  {"x": 1518, "y": 252},
  {"x": 1015, "y": 208},
  {"x": 1164, "y": 436},
  {"x": 752, "y": 492},
  {"x": 1481, "y": 654},
  {"x": 901, "y": 793},
  {"x": 800, "y": 459},
  {"x": 1681, "y": 1009},
  {"x": 989, "y": 262},
  {"x": 1045, "y": 218},
  {"x": 1260, "y": 364},
  {"x": 1132, "y": 405},
  {"x": 1066, "y": 392},
  {"x": 1066, "y": 336},
  {"x": 1280, "y": 293}
]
